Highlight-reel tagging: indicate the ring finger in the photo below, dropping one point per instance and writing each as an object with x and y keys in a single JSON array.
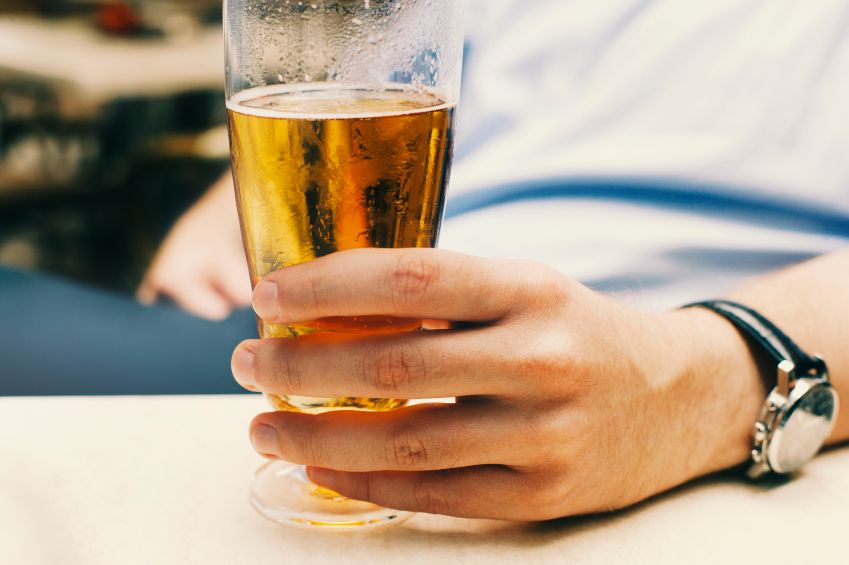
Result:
[{"x": 417, "y": 438}]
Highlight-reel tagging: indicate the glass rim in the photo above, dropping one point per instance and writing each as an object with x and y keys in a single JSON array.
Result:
[{"x": 236, "y": 101}]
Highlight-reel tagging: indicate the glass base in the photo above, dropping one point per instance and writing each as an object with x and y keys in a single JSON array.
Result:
[{"x": 282, "y": 492}]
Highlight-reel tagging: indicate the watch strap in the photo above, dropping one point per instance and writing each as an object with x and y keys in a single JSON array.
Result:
[{"x": 766, "y": 334}]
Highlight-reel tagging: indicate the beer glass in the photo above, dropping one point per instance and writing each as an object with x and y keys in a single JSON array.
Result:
[{"x": 341, "y": 118}]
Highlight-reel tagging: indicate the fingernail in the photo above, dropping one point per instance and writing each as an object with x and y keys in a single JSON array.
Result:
[
  {"x": 321, "y": 477},
  {"x": 265, "y": 440},
  {"x": 242, "y": 366},
  {"x": 265, "y": 301}
]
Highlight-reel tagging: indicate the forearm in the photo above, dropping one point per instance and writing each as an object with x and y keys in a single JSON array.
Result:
[
  {"x": 215, "y": 210},
  {"x": 221, "y": 198},
  {"x": 720, "y": 379},
  {"x": 811, "y": 303}
]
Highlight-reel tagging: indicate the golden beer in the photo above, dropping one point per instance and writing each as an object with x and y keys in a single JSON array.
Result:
[{"x": 321, "y": 169}]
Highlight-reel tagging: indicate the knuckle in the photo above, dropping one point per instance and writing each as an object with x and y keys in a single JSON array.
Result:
[
  {"x": 309, "y": 449},
  {"x": 582, "y": 439},
  {"x": 546, "y": 285},
  {"x": 533, "y": 503},
  {"x": 557, "y": 439},
  {"x": 397, "y": 367},
  {"x": 413, "y": 278},
  {"x": 563, "y": 500},
  {"x": 534, "y": 424},
  {"x": 364, "y": 488},
  {"x": 316, "y": 296},
  {"x": 289, "y": 374},
  {"x": 286, "y": 375},
  {"x": 407, "y": 449},
  {"x": 527, "y": 491},
  {"x": 429, "y": 498},
  {"x": 554, "y": 285},
  {"x": 568, "y": 367},
  {"x": 548, "y": 360}
]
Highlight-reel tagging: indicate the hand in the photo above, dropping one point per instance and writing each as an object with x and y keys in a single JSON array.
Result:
[
  {"x": 201, "y": 265},
  {"x": 567, "y": 402}
]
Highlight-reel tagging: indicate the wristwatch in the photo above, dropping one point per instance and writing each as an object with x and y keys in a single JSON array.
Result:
[{"x": 800, "y": 412}]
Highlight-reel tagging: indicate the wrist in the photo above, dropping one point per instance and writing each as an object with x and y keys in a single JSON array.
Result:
[{"x": 723, "y": 384}]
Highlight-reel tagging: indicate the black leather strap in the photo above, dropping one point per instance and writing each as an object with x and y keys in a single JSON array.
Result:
[{"x": 766, "y": 334}]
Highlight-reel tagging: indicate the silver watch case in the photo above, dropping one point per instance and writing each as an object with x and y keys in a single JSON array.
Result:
[{"x": 795, "y": 421}]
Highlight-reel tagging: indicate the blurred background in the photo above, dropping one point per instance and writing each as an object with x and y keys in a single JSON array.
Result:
[
  {"x": 112, "y": 123},
  {"x": 662, "y": 152}
]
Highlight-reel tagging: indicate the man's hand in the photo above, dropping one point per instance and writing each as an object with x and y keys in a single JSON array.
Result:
[
  {"x": 567, "y": 402},
  {"x": 201, "y": 265}
]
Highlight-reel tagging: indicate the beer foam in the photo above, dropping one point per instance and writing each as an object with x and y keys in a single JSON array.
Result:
[{"x": 331, "y": 101}]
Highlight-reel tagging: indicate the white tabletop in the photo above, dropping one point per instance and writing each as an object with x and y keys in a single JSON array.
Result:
[{"x": 164, "y": 480}]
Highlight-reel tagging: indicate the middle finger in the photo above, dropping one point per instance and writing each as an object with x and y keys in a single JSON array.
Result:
[{"x": 411, "y": 365}]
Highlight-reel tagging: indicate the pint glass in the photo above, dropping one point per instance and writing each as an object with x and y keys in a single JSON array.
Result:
[{"x": 341, "y": 117}]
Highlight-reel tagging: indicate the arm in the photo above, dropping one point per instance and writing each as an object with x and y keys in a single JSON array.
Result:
[
  {"x": 811, "y": 301},
  {"x": 201, "y": 264},
  {"x": 568, "y": 402}
]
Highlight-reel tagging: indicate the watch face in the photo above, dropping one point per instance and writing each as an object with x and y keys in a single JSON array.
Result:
[{"x": 804, "y": 428}]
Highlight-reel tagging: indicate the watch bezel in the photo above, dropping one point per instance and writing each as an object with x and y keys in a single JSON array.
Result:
[{"x": 774, "y": 442}]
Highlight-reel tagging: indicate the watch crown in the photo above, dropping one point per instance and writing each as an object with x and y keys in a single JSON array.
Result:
[{"x": 760, "y": 432}]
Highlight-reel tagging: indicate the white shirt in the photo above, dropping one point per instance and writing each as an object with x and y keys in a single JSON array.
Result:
[{"x": 737, "y": 109}]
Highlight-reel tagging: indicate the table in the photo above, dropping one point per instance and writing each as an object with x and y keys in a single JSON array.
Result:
[
  {"x": 89, "y": 68},
  {"x": 164, "y": 480}
]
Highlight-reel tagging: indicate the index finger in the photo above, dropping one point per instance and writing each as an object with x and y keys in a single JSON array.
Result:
[{"x": 413, "y": 283}]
